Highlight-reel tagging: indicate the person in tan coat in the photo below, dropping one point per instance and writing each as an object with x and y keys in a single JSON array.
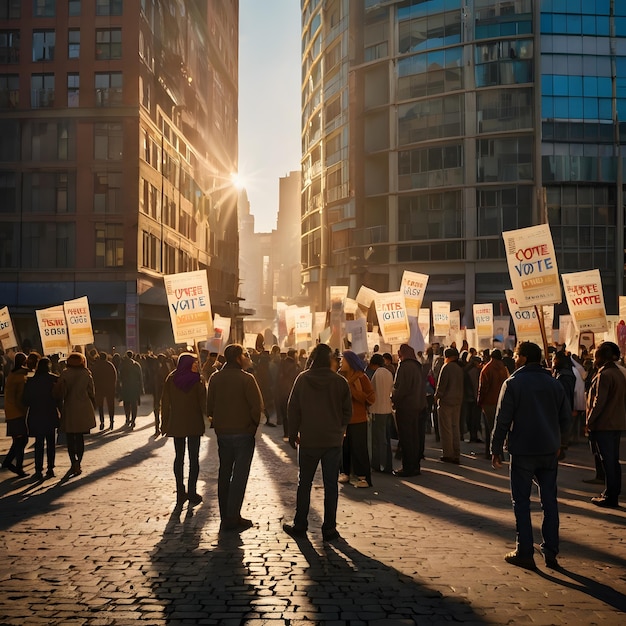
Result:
[
  {"x": 77, "y": 390},
  {"x": 15, "y": 415},
  {"x": 183, "y": 405}
]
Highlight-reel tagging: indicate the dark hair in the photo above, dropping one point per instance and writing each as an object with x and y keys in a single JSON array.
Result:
[
  {"x": 496, "y": 354},
  {"x": 43, "y": 366},
  {"x": 561, "y": 360},
  {"x": 387, "y": 356},
  {"x": 320, "y": 357},
  {"x": 232, "y": 352},
  {"x": 377, "y": 359},
  {"x": 530, "y": 350},
  {"x": 608, "y": 351},
  {"x": 18, "y": 361}
]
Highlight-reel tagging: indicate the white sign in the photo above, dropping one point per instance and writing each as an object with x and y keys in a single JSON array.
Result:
[
  {"x": 413, "y": 286},
  {"x": 483, "y": 320},
  {"x": 583, "y": 291},
  {"x": 532, "y": 265},
  {"x": 78, "y": 321},
  {"x": 189, "y": 304},
  {"x": 525, "y": 320},
  {"x": 357, "y": 333},
  {"x": 392, "y": 318},
  {"x": 441, "y": 318},
  {"x": 423, "y": 321},
  {"x": 53, "y": 331},
  {"x": 366, "y": 296},
  {"x": 221, "y": 335},
  {"x": 7, "y": 334},
  {"x": 304, "y": 325}
]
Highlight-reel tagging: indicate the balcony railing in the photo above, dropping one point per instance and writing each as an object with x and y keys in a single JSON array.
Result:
[
  {"x": 9, "y": 98},
  {"x": 109, "y": 96},
  {"x": 42, "y": 98}
]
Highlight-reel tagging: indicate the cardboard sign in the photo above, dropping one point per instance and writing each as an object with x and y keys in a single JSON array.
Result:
[
  {"x": 53, "y": 331},
  {"x": 441, "y": 318},
  {"x": 7, "y": 334},
  {"x": 585, "y": 299},
  {"x": 413, "y": 286},
  {"x": 189, "y": 304},
  {"x": 78, "y": 321},
  {"x": 392, "y": 317},
  {"x": 532, "y": 265},
  {"x": 483, "y": 320}
]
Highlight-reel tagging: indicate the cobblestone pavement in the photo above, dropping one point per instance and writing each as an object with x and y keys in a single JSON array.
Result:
[{"x": 107, "y": 547}]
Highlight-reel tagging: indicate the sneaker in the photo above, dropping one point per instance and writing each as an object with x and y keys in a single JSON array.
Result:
[
  {"x": 294, "y": 531},
  {"x": 330, "y": 535},
  {"x": 343, "y": 478},
  {"x": 361, "y": 482},
  {"x": 527, "y": 562},
  {"x": 194, "y": 498}
]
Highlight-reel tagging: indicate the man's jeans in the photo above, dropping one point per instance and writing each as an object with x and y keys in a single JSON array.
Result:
[
  {"x": 308, "y": 460},
  {"x": 235, "y": 452},
  {"x": 543, "y": 468},
  {"x": 607, "y": 443}
]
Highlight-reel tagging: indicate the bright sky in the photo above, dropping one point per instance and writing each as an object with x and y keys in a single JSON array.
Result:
[{"x": 269, "y": 101}]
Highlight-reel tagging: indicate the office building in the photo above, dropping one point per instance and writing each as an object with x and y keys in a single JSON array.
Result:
[
  {"x": 432, "y": 126},
  {"x": 118, "y": 122}
]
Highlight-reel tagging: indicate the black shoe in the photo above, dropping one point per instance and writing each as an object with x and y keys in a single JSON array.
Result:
[
  {"x": 101, "y": 425},
  {"x": 270, "y": 424},
  {"x": 181, "y": 498},
  {"x": 476, "y": 440},
  {"x": 38, "y": 475},
  {"x": 603, "y": 502},
  {"x": 593, "y": 481},
  {"x": 244, "y": 523},
  {"x": 330, "y": 535},
  {"x": 20, "y": 472},
  {"x": 50, "y": 473},
  {"x": 449, "y": 459},
  {"x": 527, "y": 562},
  {"x": 294, "y": 531},
  {"x": 402, "y": 473},
  {"x": 194, "y": 499},
  {"x": 10, "y": 467},
  {"x": 551, "y": 562}
]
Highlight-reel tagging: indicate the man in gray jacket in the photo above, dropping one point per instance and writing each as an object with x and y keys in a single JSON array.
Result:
[{"x": 319, "y": 409}]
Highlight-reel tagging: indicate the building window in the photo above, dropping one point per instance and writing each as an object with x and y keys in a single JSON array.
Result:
[
  {"x": 108, "y": 88},
  {"x": 108, "y": 7},
  {"x": 48, "y": 245},
  {"x": 504, "y": 63},
  {"x": 426, "y": 31},
  {"x": 74, "y": 7},
  {"x": 43, "y": 45},
  {"x": 108, "y": 43},
  {"x": 42, "y": 91},
  {"x": 8, "y": 194},
  {"x": 430, "y": 216},
  {"x": 73, "y": 43},
  {"x": 504, "y": 159},
  {"x": 44, "y": 8},
  {"x": 9, "y": 46},
  {"x": 10, "y": 9},
  {"x": 430, "y": 73},
  {"x": 431, "y": 167},
  {"x": 73, "y": 90},
  {"x": 430, "y": 119},
  {"x": 9, "y": 91},
  {"x": 144, "y": 87},
  {"x": 151, "y": 251},
  {"x": 107, "y": 194},
  {"x": 109, "y": 245},
  {"x": 108, "y": 141},
  {"x": 9, "y": 242},
  {"x": 49, "y": 141},
  {"x": 49, "y": 192}
]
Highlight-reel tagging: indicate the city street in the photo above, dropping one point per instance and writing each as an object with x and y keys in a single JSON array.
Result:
[{"x": 107, "y": 547}]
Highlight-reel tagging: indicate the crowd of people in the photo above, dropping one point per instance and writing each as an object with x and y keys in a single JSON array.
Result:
[{"x": 338, "y": 409}]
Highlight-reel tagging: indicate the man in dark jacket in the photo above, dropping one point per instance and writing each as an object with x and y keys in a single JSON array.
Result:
[
  {"x": 449, "y": 395},
  {"x": 606, "y": 419},
  {"x": 235, "y": 404},
  {"x": 535, "y": 415},
  {"x": 409, "y": 401},
  {"x": 319, "y": 409},
  {"x": 288, "y": 370}
]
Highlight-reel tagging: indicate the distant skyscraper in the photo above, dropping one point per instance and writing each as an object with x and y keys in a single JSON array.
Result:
[
  {"x": 118, "y": 126},
  {"x": 431, "y": 127}
]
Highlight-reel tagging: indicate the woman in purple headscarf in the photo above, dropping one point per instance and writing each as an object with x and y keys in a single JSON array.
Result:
[{"x": 183, "y": 406}]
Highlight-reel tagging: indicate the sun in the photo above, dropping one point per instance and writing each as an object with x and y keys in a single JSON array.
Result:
[{"x": 237, "y": 180}]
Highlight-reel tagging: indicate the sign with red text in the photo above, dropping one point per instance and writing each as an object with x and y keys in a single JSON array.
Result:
[
  {"x": 532, "y": 265},
  {"x": 483, "y": 320},
  {"x": 53, "y": 331},
  {"x": 78, "y": 321},
  {"x": 303, "y": 325},
  {"x": 221, "y": 335},
  {"x": 392, "y": 318},
  {"x": 189, "y": 304},
  {"x": 525, "y": 320},
  {"x": 585, "y": 299},
  {"x": 413, "y": 286},
  {"x": 7, "y": 334},
  {"x": 441, "y": 318}
]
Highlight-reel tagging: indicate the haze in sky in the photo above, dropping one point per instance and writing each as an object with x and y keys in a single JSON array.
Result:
[{"x": 269, "y": 101}]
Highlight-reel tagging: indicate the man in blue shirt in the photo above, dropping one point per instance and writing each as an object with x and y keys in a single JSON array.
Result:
[{"x": 534, "y": 414}]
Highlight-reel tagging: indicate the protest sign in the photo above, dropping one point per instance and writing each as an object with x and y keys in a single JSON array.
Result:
[
  {"x": 303, "y": 325},
  {"x": 356, "y": 330},
  {"x": 221, "y": 335},
  {"x": 585, "y": 299},
  {"x": 53, "y": 331},
  {"x": 189, "y": 304},
  {"x": 366, "y": 296},
  {"x": 532, "y": 265},
  {"x": 78, "y": 321},
  {"x": 525, "y": 320},
  {"x": 441, "y": 318},
  {"x": 392, "y": 318},
  {"x": 423, "y": 321},
  {"x": 483, "y": 320},
  {"x": 7, "y": 334},
  {"x": 413, "y": 286}
]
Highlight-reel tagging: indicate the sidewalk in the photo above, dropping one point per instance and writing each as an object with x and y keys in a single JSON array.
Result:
[{"x": 107, "y": 548}]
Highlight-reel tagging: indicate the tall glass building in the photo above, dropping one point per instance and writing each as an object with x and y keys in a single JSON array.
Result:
[{"x": 429, "y": 127}]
